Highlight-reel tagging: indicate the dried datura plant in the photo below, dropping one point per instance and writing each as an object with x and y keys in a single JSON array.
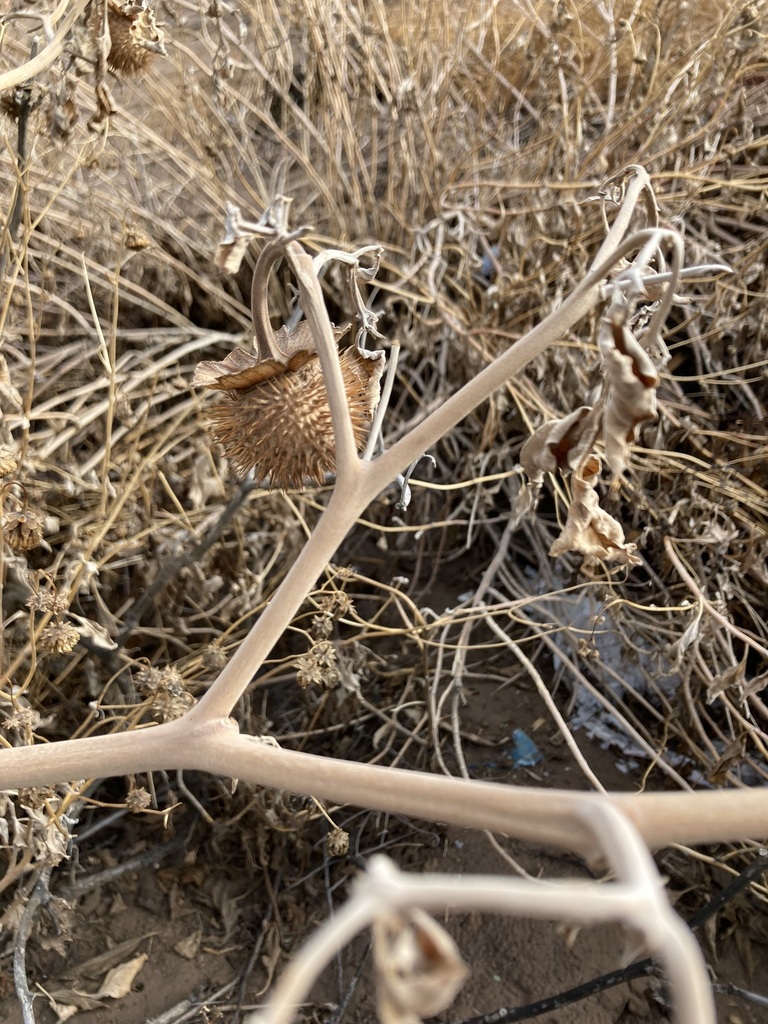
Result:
[{"x": 275, "y": 419}]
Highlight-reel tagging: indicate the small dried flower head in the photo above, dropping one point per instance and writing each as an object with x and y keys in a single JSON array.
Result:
[
  {"x": 135, "y": 36},
  {"x": 138, "y": 800},
  {"x": 169, "y": 699},
  {"x": 59, "y": 638},
  {"x": 322, "y": 626},
  {"x": 149, "y": 680},
  {"x": 214, "y": 658},
  {"x": 276, "y": 419},
  {"x": 24, "y": 720},
  {"x": 336, "y": 603},
  {"x": 337, "y": 842},
  {"x": 46, "y": 601},
  {"x": 36, "y": 797},
  {"x": 23, "y": 530},
  {"x": 318, "y": 667}
]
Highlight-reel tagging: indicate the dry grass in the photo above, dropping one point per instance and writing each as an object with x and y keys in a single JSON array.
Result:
[{"x": 466, "y": 140}]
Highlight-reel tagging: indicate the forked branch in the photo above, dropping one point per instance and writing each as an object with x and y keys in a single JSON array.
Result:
[{"x": 207, "y": 739}]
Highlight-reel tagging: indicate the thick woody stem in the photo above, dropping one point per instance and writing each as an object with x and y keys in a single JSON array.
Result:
[{"x": 205, "y": 740}]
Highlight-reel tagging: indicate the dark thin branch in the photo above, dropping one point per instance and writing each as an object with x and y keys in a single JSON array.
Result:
[
  {"x": 727, "y": 988},
  {"x": 242, "y": 981},
  {"x": 338, "y": 1014},
  {"x": 39, "y": 897},
  {"x": 151, "y": 858}
]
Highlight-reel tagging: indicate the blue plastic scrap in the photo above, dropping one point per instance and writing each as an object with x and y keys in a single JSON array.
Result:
[{"x": 525, "y": 753}]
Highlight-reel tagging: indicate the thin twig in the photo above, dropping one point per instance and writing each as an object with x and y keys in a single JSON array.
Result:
[{"x": 38, "y": 897}]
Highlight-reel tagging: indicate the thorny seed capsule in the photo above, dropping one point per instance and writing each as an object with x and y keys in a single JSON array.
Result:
[
  {"x": 276, "y": 419},
  {"x": 135, "y": 36}
]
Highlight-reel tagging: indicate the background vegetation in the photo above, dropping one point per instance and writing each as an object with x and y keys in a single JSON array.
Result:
[{"x": 467, "y": 140}]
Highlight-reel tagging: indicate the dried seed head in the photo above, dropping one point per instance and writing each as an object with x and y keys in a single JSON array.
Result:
[
  {"x": 59, "y": 638},
  {"x": 165, "y": 687},
  {"x": 135, "y": 36},
  {"x": 23, "y": 530},
  {"x": 337, "y": 842},
  {"x": 138, "y": 800},
  {"x": 276, "y": 419},
  {"x": 318, "y": 667}
]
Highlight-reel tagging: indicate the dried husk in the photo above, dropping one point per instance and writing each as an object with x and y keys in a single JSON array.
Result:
[
  {"x": 419, "y": 968},
  {"x": 555, "y": 445}
]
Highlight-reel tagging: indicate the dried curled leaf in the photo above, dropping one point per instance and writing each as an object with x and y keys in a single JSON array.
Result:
[
  {"x": 238, "y": 370},
  {"x": 555, "y": 445},
  {"x": 242, "y": 368},
  {"x": 589, "y": 529},
  {"x": 631, "y": 381},
  {"x": 419, "y": 968},
  {"x": 118, "y": 981}
]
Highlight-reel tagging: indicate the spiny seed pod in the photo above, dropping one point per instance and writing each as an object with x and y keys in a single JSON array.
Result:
[
  {"x": 135, "y": 36},
  {"x": 276, "y": 419}
]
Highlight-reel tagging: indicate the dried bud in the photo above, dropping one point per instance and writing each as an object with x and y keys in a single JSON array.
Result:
[
  {"x": 318, "y": 667},
  {"x": 418, "y": 966},
  {"x": 138, "y": 800},
  {"x": 276, "y": 419},
  {"x": 135, "y": 36},
  {"x": 337, "y": 842},
  {"x": 23, "y": 530},
  {"x": 165, "y": 687}
]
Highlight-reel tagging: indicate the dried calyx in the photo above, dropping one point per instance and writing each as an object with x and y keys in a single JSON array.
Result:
[{"x": 275, "y": 419}]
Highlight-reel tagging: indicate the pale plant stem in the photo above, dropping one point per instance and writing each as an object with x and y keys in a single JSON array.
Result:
[
  {"x": 330, "y": 531},
  {"x": 262, "y": 330},
  {"x": 494, "y": 376},
  {"x": 313, "y": 304},
  {"x": 206, "y": 740},
  {"x": 545, "y": 816},
  {"x": 548, "y": 699},
  {"x": 707, "y": 605}
]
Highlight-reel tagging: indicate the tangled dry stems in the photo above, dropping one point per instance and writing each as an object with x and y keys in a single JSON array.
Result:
[{"x": 483, "y": 234}]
